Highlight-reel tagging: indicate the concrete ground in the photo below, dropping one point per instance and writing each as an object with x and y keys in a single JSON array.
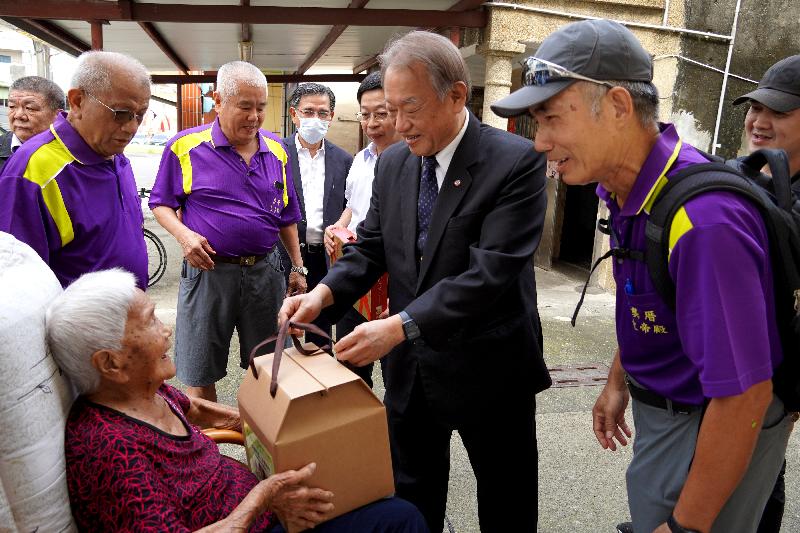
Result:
[{"x": 581, "y": 486}]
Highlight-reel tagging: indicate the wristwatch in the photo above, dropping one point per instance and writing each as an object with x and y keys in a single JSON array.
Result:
[
  {"x": 675, "y": 527},
  {"x": 303, "y": 271},
  {"x": 410, "y": 328}
]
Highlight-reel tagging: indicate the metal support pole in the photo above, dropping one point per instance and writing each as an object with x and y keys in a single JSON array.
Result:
[
  {"x": 179, "y": 106},
  {"x": 715, "y": 141}
]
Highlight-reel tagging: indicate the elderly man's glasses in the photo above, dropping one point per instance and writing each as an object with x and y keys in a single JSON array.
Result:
[
  {"x": 539, "y": 72},
  {"x": 310, "y": 113},
  {"x": 379, "y": 116},
  {"x": 121, "y": 116}
]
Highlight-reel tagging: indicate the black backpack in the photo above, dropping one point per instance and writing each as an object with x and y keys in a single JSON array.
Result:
[{"x": 780, "y": 210}]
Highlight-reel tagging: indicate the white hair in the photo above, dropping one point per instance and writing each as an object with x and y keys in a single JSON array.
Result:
[
  {"x": 235, "y": 73},
  {"x": 94, "y": 69},
  {"x": 89, "y": 316}
]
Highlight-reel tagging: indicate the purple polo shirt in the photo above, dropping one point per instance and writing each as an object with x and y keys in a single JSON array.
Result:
[
  {"x": 722, "y": 337},
  {"x": 239, "y": 208},
  {"x": 77, "y": 209}
]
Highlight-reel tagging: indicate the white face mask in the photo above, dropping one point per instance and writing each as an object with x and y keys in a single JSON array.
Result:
[{"x": 313, "y": 130}]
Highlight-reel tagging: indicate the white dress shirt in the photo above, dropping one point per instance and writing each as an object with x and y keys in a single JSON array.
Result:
[
  {"x": 445, "y": 155},
  {"x": 358, "y": 187},
  {"x": 15, "y": 142},
  {"x": 312, "y": 176}
]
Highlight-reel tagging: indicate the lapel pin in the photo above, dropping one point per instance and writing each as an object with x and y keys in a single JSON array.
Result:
[{"x": 457, "y": 183}]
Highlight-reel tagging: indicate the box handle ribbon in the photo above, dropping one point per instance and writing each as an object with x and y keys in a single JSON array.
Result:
[{"x": 280, "y": 342}]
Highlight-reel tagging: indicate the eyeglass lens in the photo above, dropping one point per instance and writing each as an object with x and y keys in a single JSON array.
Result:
[
  {"x": 379, "y": 116},
  {"x": 121, "y": 116},
  {"x": 310, "y": 113}
]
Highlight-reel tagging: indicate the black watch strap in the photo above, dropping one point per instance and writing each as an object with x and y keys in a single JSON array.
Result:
[
  {"x": 675, "y": 527},
  {"x": 410, "y": 328}
]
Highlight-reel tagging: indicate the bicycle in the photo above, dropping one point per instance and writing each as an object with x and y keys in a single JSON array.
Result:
[{"x": 156, "y": 252}]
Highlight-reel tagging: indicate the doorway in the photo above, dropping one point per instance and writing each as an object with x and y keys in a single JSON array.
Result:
[{"x": 578, "y": 225}]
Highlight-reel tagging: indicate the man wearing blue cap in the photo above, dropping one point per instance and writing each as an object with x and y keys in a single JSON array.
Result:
[{"x": 710, "y": 433}]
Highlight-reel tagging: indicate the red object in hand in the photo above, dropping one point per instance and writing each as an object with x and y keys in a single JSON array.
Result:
[{"x": 372, "y": 304}]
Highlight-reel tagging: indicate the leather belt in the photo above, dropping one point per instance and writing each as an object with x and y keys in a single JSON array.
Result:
[
  {"x": 314, "y": 248},
  {"x": 653, "y": 399},
  {"x": 243, "y": 260}
]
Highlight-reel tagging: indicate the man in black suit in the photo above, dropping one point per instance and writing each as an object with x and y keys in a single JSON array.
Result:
[
  {"x": 33, "y": 103},
  {"x": 319, "y": 170},
  {"x": 455, "y": 218}
]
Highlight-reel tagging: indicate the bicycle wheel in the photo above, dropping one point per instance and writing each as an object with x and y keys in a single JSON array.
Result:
[{"x": 156, "y": 257}]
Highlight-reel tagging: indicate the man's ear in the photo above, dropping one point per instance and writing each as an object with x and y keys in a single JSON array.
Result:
[
  {"x": 108, "y": 364},
  {"x": 621, "y": 102},
  {"x": 76, "y": 99},
  {"x": 217, "y": 100},
  {"x": 458, "y": 94}
]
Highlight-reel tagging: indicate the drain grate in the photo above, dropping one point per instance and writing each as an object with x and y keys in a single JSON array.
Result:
[{"x": 579, "y": 375}]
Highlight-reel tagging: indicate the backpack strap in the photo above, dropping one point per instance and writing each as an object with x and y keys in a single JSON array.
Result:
[
  {"x": 605, "y": 226},
  {"x": 680, "y": 188},
  {"x": 779, "y": 182}
]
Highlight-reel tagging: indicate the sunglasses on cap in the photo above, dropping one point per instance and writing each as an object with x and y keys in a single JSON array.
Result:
[
  {"x": 121, "y": 116},
  {"x": 538, "y": 72}
]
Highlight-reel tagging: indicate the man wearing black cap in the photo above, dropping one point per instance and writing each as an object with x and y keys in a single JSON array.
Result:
[
  {"x": 699, "y": 375},
  {"x": 773, "y": 121}
]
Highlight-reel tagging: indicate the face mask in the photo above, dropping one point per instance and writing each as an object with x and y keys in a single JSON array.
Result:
[{"x": 313, "y": 130}]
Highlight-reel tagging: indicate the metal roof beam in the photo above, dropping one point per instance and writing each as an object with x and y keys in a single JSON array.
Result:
[
  {"x": 369, "y": 63},
  {"x": 315, "y": 16},
  {"x": 328, "y": 41},
  {"x": 51, "y": 34},
  {"x": 211, "y": 77},
  {"x": 150, "y": 29},
  {"x": 460, "y": 6}
]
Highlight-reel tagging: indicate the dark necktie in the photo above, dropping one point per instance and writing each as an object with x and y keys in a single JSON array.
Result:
[{"x": 428, "y": 191}]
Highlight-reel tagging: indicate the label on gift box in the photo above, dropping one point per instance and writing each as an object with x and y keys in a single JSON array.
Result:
[{"x": 258, "y": 457}]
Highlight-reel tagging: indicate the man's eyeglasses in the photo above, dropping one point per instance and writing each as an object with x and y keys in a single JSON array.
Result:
[
  {"x": 121, "y": 116},
  {"x": 310, "y": 113},
  {"x": 379, "y": 116},
  {"x": 539, "y": 72}
]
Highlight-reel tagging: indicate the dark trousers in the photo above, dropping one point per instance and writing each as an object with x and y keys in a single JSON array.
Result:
[
  {"x": 314, "y": 261},
  {"x": 391, "y": 515},
  {"x": 501, "y": 446},
  {"x": 346, "y": 325}
]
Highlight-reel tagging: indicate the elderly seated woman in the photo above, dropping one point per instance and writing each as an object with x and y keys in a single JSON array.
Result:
[{"x": 135, "y": 459}]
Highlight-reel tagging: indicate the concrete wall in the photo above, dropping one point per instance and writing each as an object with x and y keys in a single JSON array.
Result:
[
  {"x": 766, "y": 32},
  {"x": 344, "y": 129}
]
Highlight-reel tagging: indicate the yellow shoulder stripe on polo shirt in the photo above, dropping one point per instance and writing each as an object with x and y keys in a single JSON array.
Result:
[
  {"x": 280, "y": 152},
  {"x": 650, "y": 199},
  {"x": 182, "y": 147},
  {"x": 681, "y": 224},
  {"x": 44, "y": 165}
]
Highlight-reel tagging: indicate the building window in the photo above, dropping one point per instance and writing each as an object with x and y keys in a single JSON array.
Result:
[{"x": 5, "y": 59}]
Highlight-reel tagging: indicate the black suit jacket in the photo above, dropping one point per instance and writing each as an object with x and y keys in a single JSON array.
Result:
[
  {"x": 473, "y": 293},
  {"x": 5, "y": 148},
  {"x": 337, "y": 165}
]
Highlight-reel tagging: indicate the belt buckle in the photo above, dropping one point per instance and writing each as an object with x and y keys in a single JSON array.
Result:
[{"x": 248, "y": 260}]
